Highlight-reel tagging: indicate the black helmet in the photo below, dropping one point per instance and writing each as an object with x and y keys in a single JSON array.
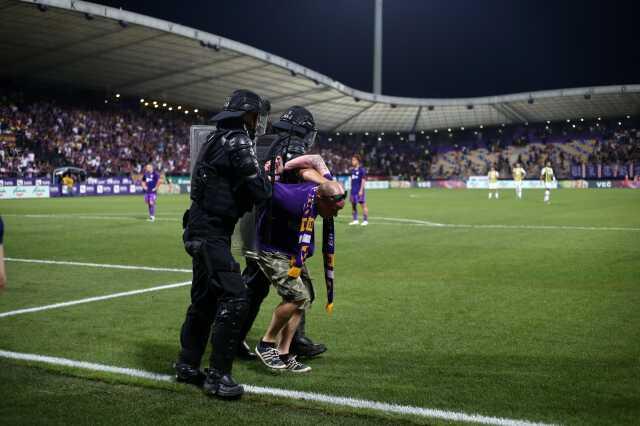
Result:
[
  {"x": 242, "y": 101},
  {"x": 298, "y": 120}
]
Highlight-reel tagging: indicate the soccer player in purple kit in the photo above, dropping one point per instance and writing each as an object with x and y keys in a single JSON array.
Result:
[
  {"x": 358, "y": 181},
  {"x": 150, "y": 184},
  {"x": 3, "y": 275}
]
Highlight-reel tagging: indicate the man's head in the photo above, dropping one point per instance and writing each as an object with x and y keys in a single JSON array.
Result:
[
  {"x": 548, "y": 163},
  {"x": 331, "y": 198},
  {"x": 249, "y": 108},
  {"x": 493, "y": 168},
  {"x": 355, "y": 160},
  {"x": 149, "y": 168},
  {"x": 518, "y": 165}
]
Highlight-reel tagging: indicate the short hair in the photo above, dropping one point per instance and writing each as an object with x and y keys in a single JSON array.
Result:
[{"x": 357, "y": 157}]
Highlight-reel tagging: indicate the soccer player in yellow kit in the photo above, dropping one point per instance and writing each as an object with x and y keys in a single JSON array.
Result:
[
  {"x": 493, "y": 182},
  {"x": 547, "y": 176},
  {"x": 518, "y": 175}
]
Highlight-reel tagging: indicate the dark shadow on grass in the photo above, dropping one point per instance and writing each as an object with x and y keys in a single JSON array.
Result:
[{"x": 158, "y": 357}]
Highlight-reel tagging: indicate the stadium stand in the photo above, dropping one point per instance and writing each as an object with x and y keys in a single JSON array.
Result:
[
  {"x": 106, "y": 140},
  {"x": 597, "y": 149},
  {"x": 118, "y": 138}
]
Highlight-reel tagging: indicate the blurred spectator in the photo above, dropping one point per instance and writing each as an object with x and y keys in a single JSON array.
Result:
[{"x": 110, "y": 140}]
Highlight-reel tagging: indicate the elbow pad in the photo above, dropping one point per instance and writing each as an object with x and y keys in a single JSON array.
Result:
[{"x": 239, "y": 148}]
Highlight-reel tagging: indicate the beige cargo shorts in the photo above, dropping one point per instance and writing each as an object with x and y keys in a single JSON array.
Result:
[{"x": 276, "y": 267}]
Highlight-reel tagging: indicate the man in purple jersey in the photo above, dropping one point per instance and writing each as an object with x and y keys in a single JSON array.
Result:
[
  {"x": 3, "y": 275},
  {"x": 283, "y": 249},
  {"x": 358, "y": 181},
  {"x": 150, "y": 184}
]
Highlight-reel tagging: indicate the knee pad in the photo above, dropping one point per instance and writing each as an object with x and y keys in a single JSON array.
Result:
[{"x": 232, "y": 311}]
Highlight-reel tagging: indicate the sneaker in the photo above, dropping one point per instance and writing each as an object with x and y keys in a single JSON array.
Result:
[
  {"x": 354, "y": 222},
  {"x": 270, "y": 356},
  {"x": 221, "y": 385},
  {"x": 296, "y": 367},
  {"x": 364, "y": 223},
  {"x": 188, "y": 374},
  {"x": 152, "y": 219}
]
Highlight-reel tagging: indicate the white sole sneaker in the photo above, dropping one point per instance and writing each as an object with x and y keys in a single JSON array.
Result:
[
  {"x": 355, "y": 222},
  {"x": 281, "y": 366},
  {"x": 365, "y": 223}
]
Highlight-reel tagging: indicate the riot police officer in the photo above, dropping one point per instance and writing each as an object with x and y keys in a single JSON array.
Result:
[
  {"x": 293, "y": 134},
  {"x": 226, "y": 183}
]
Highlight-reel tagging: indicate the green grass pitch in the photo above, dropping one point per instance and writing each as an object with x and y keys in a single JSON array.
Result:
[{"x": 523, "y": 311}]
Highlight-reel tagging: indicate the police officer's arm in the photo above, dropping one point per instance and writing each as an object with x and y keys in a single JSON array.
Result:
[{"x": 239, "y": 148}]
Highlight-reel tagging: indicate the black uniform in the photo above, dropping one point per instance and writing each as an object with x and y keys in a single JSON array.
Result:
[{"x": 226, "y": 183}]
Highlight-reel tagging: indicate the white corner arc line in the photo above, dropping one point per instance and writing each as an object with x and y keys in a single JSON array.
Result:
[
  {"x": 284, "y": 393},
  {"x": 98, "y": 265},
  {"x": 92, "y": 299}
]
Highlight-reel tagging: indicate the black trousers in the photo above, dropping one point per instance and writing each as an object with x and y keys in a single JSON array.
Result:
[{"x": 219, "y": 305}]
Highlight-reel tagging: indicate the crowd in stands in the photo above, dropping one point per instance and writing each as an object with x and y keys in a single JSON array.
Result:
[
  {"x": 109, "y": 140},
  {"x": 576, "y": 149},
  {"x": 116, "y": 140}
]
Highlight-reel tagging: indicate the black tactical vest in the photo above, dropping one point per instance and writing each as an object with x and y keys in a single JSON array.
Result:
[{"x": 214, "y": 186}]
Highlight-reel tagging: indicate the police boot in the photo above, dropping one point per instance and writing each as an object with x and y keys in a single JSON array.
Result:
[
  {"x": 245, "y": 352},
  {"x": 302, "y": 346},
  {"x": 221, "y": 385},
  {"x": 188, "y": 374}
]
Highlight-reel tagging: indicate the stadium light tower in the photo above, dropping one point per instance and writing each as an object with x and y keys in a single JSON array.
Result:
[{"x": 377, "y": 49}]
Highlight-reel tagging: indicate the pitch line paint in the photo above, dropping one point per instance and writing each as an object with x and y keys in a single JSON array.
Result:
[
  {"x": 92, "y": 299},
  {"x": 137, "y": 218},
  {"x": 284, "y": 393},
  {"x": 498, "y": 226},
  {"x": 97, "y": 265},
  {"x": 416, "y": 222}
]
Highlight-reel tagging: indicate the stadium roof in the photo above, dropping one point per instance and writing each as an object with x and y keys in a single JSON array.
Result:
[{"x": 102, "y": 48}]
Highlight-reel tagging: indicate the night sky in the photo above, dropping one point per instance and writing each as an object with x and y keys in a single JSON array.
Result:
[{"x": 432, "y": 48}]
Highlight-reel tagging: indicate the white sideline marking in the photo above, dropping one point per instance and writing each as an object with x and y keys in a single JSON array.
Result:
[
  {"x": 498, "y": 226},
  {"x": 284, "y": 393},
  {"x": 138, "y": 217},
  {"x": 416, "y": 222},
  {"x": 98, "y": 265},
  {"x": 93, "y": 299}
]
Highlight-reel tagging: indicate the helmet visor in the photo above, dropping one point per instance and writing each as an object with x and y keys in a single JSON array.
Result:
[
  {"x": 310, "y": 138},
  {"x": 261, "y": 124}
]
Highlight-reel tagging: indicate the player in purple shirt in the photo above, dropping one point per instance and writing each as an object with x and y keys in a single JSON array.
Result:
[
  {"x": 285, "y": 242},
  {"x": 150, "y": 184},
  {"x": 358, "y": 181},
  {"x": 3, "y": 276}
]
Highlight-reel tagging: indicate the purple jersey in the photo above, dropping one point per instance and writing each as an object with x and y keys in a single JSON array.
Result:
[
  {"x": 287, "y": 209},
  {"x": 151, "y": 179},
  {"x": 356, "y": 179}
]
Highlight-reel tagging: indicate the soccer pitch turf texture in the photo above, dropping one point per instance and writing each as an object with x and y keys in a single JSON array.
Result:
[{"x": 447, "y": 300}]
